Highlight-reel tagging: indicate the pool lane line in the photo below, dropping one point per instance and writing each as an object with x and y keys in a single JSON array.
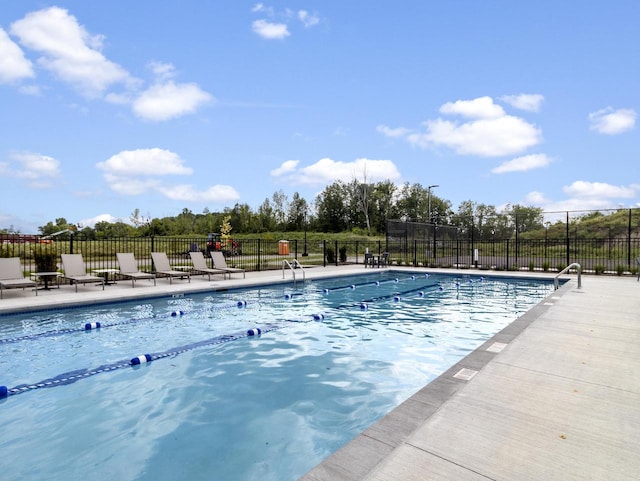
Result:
[
  {"x": 78, "y": 374},
  {"x": 88, "y": 326}
]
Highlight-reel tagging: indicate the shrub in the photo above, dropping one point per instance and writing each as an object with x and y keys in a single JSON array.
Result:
[
  {"x": 531, "y": 265},
  {"x": 343, "y": 254},
  {"x": 331, "y": 255},
  {"x": 46, "y": 261},
  {"x": 545, "y": 266},
  {"x": 619, "y": 269},
  {"x": 599, "y": 269}
]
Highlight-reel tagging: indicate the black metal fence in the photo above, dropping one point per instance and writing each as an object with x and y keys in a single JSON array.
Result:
[{"x": 608, "y": 255}]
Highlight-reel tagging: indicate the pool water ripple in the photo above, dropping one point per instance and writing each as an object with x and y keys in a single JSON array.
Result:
[{"x": 265, "y": 407}]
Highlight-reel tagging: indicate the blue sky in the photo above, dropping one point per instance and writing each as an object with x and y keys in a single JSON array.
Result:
[{"x": 107, "y": 107}]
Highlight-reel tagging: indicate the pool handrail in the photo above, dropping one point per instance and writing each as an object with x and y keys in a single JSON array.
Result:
[
  {"x": 578, "y": 267},
  {"x": 293, "y": 268}
]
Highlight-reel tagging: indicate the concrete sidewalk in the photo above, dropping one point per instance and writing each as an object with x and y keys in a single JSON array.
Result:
[{"x": 554, "y": 396}]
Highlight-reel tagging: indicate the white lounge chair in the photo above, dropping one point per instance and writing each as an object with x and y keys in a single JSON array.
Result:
[
  {"x": 129, "y": 268},
  {"x": 200, "y": 265},
  {"x": 76, "y": 271},
  {"x": 220, "y": 263},
  {"x": 162, "y": 266},
  {"x": 12, "y": 277}
]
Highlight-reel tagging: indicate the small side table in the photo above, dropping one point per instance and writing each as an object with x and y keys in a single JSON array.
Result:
[
  {"x": 106, "y": 273},
  {"x": 45, "y": 276}
]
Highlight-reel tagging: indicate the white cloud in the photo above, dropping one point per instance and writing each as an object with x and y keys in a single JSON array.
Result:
[
  {"x": 69, "y": 51},
  {"x": 523, "y": 164},
  {"x": 13, "y": 64},
  {"x": 583, "y": 196},
  {"x": 391, "y": 132},
  {"x": 36, "y": 169},
  {"x": 489, "y": 132},
  {"x": 154, "y": 162},
  {"x": 600, "y": 190},
  {"x": 488, "y": 137},
  {"x": 528, "y": 102},
  {"x": 611, "y": 122},
  {"x": 130, "y": 185},
  {"x": 326, "y": 171},
  {"x": 481, "y": 108},
  {"x": 262, "y": 8},
  {"x": 270, "y": 30},
  {"x": 286, "y": 167},
  {"x": 162, "y": 70},
  {"x": 216, "y": 193},
  {"x": 136, "y": 172},
  {"x": 91, "y": 222},
  {"x": 170, "y": 100},
  {"x": 307, "y": 19}
]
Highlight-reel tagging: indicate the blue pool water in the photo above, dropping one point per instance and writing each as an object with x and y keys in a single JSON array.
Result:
[{"x": 216, "y": 403}]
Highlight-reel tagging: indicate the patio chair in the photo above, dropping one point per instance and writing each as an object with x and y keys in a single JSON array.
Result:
[
  {"x": 200, "y": 265},
  {"x": 129, "y": 269},
  {"x": 12, "y": 277},
  {"x": 220, "y": 263},
  {"x": 384, "y": 259},
  {"x": 162, "y": 266},
  {"x": 76, "y": 271},
  {"x": 369, "y": 260}
]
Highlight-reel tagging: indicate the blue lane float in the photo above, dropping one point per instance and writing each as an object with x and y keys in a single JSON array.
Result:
[
  {"x": 92, "y": 325},
  {"x": 241, "y": 304},
  {"x": 318, "y": 317},
  {"x": 74, "y": 376},
  {"x": 4, "y": 392},
  {"x": 143, "y": 359},
  {"x": 364, "y": 306},
  {"x": 256, "y": 331}
]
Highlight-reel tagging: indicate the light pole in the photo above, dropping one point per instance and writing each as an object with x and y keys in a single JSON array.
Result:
[{"x": 429, "y": 201}]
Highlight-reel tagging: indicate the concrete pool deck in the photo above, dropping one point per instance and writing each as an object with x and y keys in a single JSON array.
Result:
[{"x": 554, "y": 395}]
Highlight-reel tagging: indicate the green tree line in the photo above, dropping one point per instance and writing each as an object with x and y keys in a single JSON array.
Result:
[{"x": 356, "y": 207}]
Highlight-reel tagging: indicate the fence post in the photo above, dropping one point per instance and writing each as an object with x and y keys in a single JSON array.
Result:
[
  {"x": 259, "y": 252},
  {"x": 70, "y": 243},
  {"x": 629, "y": 242},
  {"x": 324, "y": 253},
  {"x": 337, "y": 257},
  {"x": 506, "y": 265},
  {"x": 568, "y": 240}
]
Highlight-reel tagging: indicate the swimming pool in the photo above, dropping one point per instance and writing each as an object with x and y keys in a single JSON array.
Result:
[{"x": 218, "y": 403}]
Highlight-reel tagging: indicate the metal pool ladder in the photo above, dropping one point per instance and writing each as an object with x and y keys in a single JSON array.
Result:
[
  {"x": 293, "y": 267},
  {"x": 556, "y": 283}
]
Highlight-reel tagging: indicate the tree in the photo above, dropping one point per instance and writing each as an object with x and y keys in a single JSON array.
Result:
[
  {"x": 265, "y": 216},
  {"x": 280, "y": 206},
  {"x": 383, "y": 206},
  {"x": 362, "y": 196},
  {"x": 297, "y": 213},
  {"x": 412, "y": 203},
  {"x": 332, "y": 215}
]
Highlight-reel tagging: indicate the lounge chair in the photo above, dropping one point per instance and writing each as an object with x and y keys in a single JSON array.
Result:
[
  {"x": 220, "y": 263},
  {"x": 200, "y": 265},
  {"x": 129, "y": 269},
  {"x": 76, "y": 271},
  {"x": 12, "y": 277},
  {"x": 162, "y": 266}
]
